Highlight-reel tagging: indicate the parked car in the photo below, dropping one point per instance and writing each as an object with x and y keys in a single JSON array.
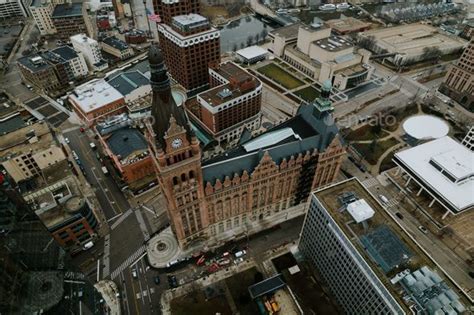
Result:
[
  {"x": 82, "y": 129},
  {"x": 240, "y": 253},
  {"x": 134, "y": 274},
  {"x": 67, "y": 140},
  {"x": 157, "y": 280},
  {"x": 399, "y": 215},
  {"x": 423, "y": 229},
  {"x": 172, "y": 281},
  {"x": 383, "y": 198},
  {"x": 238, "y": 260}
]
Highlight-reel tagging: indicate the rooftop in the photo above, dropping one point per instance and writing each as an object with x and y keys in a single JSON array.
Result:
[
  {"x": 34, "y": 63},
  {"x": 190, "y": 20},
  {"x": 126, "y": 142},
  {"x": 446, "y": 168},
  {"x": 333, "y": 43},
  {"x": 65, "y": 52},
  {"x": 307, "y": 133},
  {"x": 39, "y": 3},
  {"x": 127, "y": 82},
  {"x": 425, "y": 127},
  {"x": 67, "y": 10},
  {"x": 36, "y": 136},
  {"x": 252, "y": 52},
  {"x": 411, "y": 39},
  {"x": 287, "y": 32},
  {"x": 83, "y": 38},
  {"x": 384, "y": 246},
  {"x": 94, "y": 95},
  {"x": 346, "y": 25},
  {"x": 115, "y": 43}
]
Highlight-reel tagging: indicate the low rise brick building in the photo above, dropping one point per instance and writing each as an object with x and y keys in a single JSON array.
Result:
[{"x": 68, "y": 19}]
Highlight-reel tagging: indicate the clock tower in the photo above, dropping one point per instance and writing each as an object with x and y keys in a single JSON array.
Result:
[{"x": 177, "y": 157}]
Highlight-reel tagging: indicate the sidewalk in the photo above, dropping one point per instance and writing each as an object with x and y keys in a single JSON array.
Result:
[{"x": 109, "y": 290}]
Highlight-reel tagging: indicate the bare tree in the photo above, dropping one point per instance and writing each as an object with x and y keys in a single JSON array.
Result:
[
  {"x": 431, "y": 53},
  {"x": 249, "y": 40}
]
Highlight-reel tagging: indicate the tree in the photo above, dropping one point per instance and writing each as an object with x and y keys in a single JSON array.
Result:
[
  {"x": 377, "y": 128},
  {"x": 234, "y": 47},
  {"x": 249, "y": 40},
  {"x": 373, "y": 145},
  {"x": 257, "y": 38},
  {"x": 263, "y": 34},
  {"x": 368, "y": 42}
]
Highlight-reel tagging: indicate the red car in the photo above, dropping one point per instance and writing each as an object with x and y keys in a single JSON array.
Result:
[{"x": 82, "y": 129}]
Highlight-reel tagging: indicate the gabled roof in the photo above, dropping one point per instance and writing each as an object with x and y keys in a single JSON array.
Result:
[{"x": 308, "y": 133}]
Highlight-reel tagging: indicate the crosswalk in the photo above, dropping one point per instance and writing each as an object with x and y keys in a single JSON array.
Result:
[
  {"x": 392, "y": 203},
  {"x": 370, "y": 182},
  {"x": 128, "y": 262},
  {"x": 121, "y": 219}
]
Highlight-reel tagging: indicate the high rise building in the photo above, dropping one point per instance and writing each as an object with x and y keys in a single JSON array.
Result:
[
  {"x": 188, "y": 42},
  {"x": 10, "y": 8},
  {"x": 36, "y": 275},
  {"x": 459, "y": 81},
  {"x": 90, "y": 49},
  {"x": 42, "y": 10},
  {"x": 370, "y": 264},
  {"x": 260, "y": 183},
  {"x": 69, "y": 20}
]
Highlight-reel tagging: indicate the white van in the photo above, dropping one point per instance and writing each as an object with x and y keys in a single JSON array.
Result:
[
  {"x": 240, "y": 253},
  {"x": 383, "y": 198},
  {"x": 88, "y": 245},
  {"x": 92, "y": 145}
]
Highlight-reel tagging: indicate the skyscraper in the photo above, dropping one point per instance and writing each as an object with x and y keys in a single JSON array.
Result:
[
  {"x": 188, "y": 42},
  {"x": 260, "y": 183}
]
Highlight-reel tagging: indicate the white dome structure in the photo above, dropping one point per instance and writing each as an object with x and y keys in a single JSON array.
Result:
[{"x": 425, "y": 127}]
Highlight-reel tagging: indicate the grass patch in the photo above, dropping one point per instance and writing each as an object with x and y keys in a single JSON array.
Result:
[
  {"x": 195, "y": 303},
  {"x": 365, "y": 132},
  {"x": 374, "y": 150},
  {"x": 279, "y": 75},
  {"x": 308, "y": 93},
  {"x": 401, "y": 114},
  {"x": 238, "y": 286}
]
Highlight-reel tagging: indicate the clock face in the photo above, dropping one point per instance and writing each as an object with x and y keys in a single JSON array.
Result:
[{"x": 176, "y": 143}]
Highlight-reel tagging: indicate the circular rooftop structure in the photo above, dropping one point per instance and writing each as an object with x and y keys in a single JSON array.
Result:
[
  {"x": 179, "y": 95},
  {"x": 425, "y": 127}
]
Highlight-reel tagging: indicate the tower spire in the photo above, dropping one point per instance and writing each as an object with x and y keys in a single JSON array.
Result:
[{"x": 163, "y": 106}]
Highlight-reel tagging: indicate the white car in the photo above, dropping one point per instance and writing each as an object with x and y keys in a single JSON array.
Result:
[
  {"x": 67, "y": 140},
  {"x": 240, "y": 253},
  {"x": 383, "y": 198},
  {"x": 238, "y": 260},
  {"x": 423, "y": 229}
]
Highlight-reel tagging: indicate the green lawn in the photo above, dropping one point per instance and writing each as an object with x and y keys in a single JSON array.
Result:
[
  {"x": 277, "y": 74},
  {"x": 365, "y": 132},
  {"x": 308, "y": 93},
  {"x": 372, "y": 153}
]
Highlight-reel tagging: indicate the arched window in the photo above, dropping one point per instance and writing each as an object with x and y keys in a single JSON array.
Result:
[
  {"x": 175, "y": 180},
  {"x": 191, "y": 174},
  {"x": 183, "y": 177}
]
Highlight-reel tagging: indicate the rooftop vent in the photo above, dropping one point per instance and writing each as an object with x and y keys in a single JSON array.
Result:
[{"x": 224, "y": 93}]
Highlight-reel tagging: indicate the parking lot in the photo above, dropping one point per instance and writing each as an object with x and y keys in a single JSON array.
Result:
[{"x": 8, "y": 37}]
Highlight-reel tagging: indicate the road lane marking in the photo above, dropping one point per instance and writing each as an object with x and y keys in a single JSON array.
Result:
[
  {"x": 128, "y": 262},
  {"x": 125, "y": 293}
]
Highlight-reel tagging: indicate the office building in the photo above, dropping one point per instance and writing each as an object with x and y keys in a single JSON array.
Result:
[
  {"x": 69, "y": 20},
  {"x": 42, "y": 11},
  {"x": 117, "y": 48},
  {"x": 189, "y": 43},
  {"x": 263, "y": 181},
  {"x": 12, "y": 8},
  {"x": 128, "y": 150},
  {"x": 282, "y": 37},
  {"x": 36, "y": 71},
  {"x": 95, "y": 101},
  {"x": 459, "y": 81},
  {"x": 36, "y": 275},
  {"x": 90, "y": 49},
  {"x": 443, "y": 169},
  {"x": 323, "y": 56},
  {"x": 133, "y": 85},
  {"x": 409, "y": 42},
  {"x": 231, "y": 105},
  {"x": 368, "y": 262},
  {"x": 73, "y": 62}
]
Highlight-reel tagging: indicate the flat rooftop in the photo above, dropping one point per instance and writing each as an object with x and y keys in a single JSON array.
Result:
[
  {"x": 231, "y": 70},
  {"x": 129, "y": 81},
  {"x": 94, "y": 95},
  {"x": 346, "y": 25},
  {"x": 190, "y": 19},
  {"x": 252, "y": 52},
  {"x": 287, "y": 32},
  {"x": 371, "y": 241},
  {"x": 411, "y": 39},
  {"x": 33, "y": 137},
  {"x": 445, "y": 168},
  {"x": 34, "y": 63},
  {"x": 333, "y": 43},
  {"x": 115, "y": 43},
  {"x": 67, "y": 10}
]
